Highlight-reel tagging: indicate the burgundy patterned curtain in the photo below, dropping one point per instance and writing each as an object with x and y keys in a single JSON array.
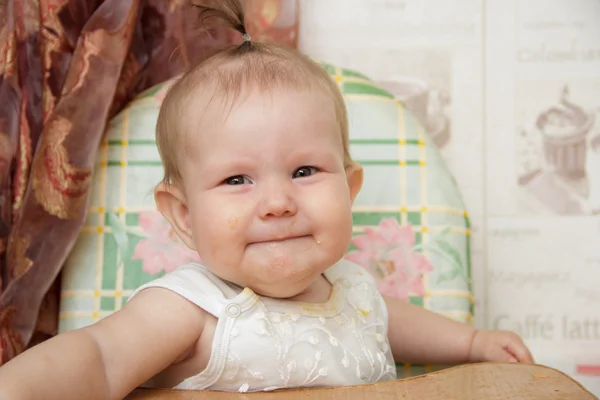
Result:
[{"x": 66, "y": 67}]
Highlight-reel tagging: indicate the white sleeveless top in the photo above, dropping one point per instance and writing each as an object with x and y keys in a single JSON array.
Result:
[{"x": 262, "y": 343}]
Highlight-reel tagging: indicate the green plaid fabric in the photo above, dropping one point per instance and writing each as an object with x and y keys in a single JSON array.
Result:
[{"x": 404, "y": 179}]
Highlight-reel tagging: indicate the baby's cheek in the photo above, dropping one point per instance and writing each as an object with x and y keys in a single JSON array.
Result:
[
  {"x": 233, "y": 222},
  {"x": 333, "y": 208},
  {"x": 215, "y": 244},
  {"x": 225, "y": 229},
  {"x": 332, "y": 216}
]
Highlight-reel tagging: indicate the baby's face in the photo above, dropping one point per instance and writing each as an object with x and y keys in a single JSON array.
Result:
[{"x": 268, "y": 196}]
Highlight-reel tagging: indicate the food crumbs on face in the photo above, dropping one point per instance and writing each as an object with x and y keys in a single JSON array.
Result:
[
  {"x": 233, "y": 222},
  {"x": 292, "y": 225}
]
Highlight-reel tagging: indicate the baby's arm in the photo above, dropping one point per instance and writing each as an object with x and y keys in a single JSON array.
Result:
[
  {"x": 421, "y": 336},
  {"x": 110, "y": 358}
]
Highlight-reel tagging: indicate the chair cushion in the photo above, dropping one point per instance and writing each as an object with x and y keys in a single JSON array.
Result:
[{"x": 411, "y": 230}]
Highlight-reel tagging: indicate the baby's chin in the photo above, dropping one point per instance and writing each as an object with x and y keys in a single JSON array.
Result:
[{"x": 283, "y": 280}]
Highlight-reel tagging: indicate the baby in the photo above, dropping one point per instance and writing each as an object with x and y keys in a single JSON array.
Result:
[{"x": 259, "y": 181}]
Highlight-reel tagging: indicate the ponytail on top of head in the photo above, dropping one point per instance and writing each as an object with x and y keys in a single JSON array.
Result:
[{"x": 225, "y": 13}]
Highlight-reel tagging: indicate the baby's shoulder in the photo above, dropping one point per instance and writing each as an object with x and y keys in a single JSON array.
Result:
[
  {"x": 195, "y": 283},
  {"x": 192, "y": 276}
]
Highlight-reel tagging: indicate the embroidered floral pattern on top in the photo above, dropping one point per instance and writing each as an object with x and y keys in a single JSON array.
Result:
[{"x": 266, "y": 344}]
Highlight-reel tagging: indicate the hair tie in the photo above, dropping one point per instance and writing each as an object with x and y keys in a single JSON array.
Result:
[{"x": 246, "y": 37}]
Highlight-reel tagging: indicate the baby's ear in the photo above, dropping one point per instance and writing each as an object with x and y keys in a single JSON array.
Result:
[
  {"x": 354, "y": 174},
  {"x": 171, "y": 202}
]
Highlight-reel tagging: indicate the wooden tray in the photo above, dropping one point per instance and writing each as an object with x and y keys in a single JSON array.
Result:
[{"x": 493, "y": 381}]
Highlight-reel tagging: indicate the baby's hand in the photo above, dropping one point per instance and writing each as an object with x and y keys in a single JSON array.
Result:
[{"x": 500, "y": 346}]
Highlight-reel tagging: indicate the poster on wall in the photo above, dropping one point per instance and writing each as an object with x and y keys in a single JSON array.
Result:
[
  {"x": 553, "y": 105},
  {"x": 558, "y": 147},
  {"x": 544, "y": 285},
  {"x": 543, "y": 162}
]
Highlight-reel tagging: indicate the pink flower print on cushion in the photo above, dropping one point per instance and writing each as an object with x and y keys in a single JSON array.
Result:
[
  {"x": 161, "y": 250},
  {"x": 387, "y": 253}
]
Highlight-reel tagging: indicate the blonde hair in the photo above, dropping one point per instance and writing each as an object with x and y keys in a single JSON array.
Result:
[{"x": 266, "y": 66}]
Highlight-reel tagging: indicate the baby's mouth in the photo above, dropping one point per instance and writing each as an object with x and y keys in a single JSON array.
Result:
[{"x": 280, "y": 239}]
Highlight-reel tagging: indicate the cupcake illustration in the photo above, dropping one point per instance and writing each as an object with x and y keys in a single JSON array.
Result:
[{"x": 564, "y": 128}]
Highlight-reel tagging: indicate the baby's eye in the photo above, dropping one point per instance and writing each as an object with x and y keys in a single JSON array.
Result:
[
  {"x": 237, "y": 180},
  {"x": 303, "y": 172}
]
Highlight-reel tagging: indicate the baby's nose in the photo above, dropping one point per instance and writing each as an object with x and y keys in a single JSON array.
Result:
[{"x": 278, "y": 201}]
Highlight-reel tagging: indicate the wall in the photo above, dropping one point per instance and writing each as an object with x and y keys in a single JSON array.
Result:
[{"x": 509, "y": 90}]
